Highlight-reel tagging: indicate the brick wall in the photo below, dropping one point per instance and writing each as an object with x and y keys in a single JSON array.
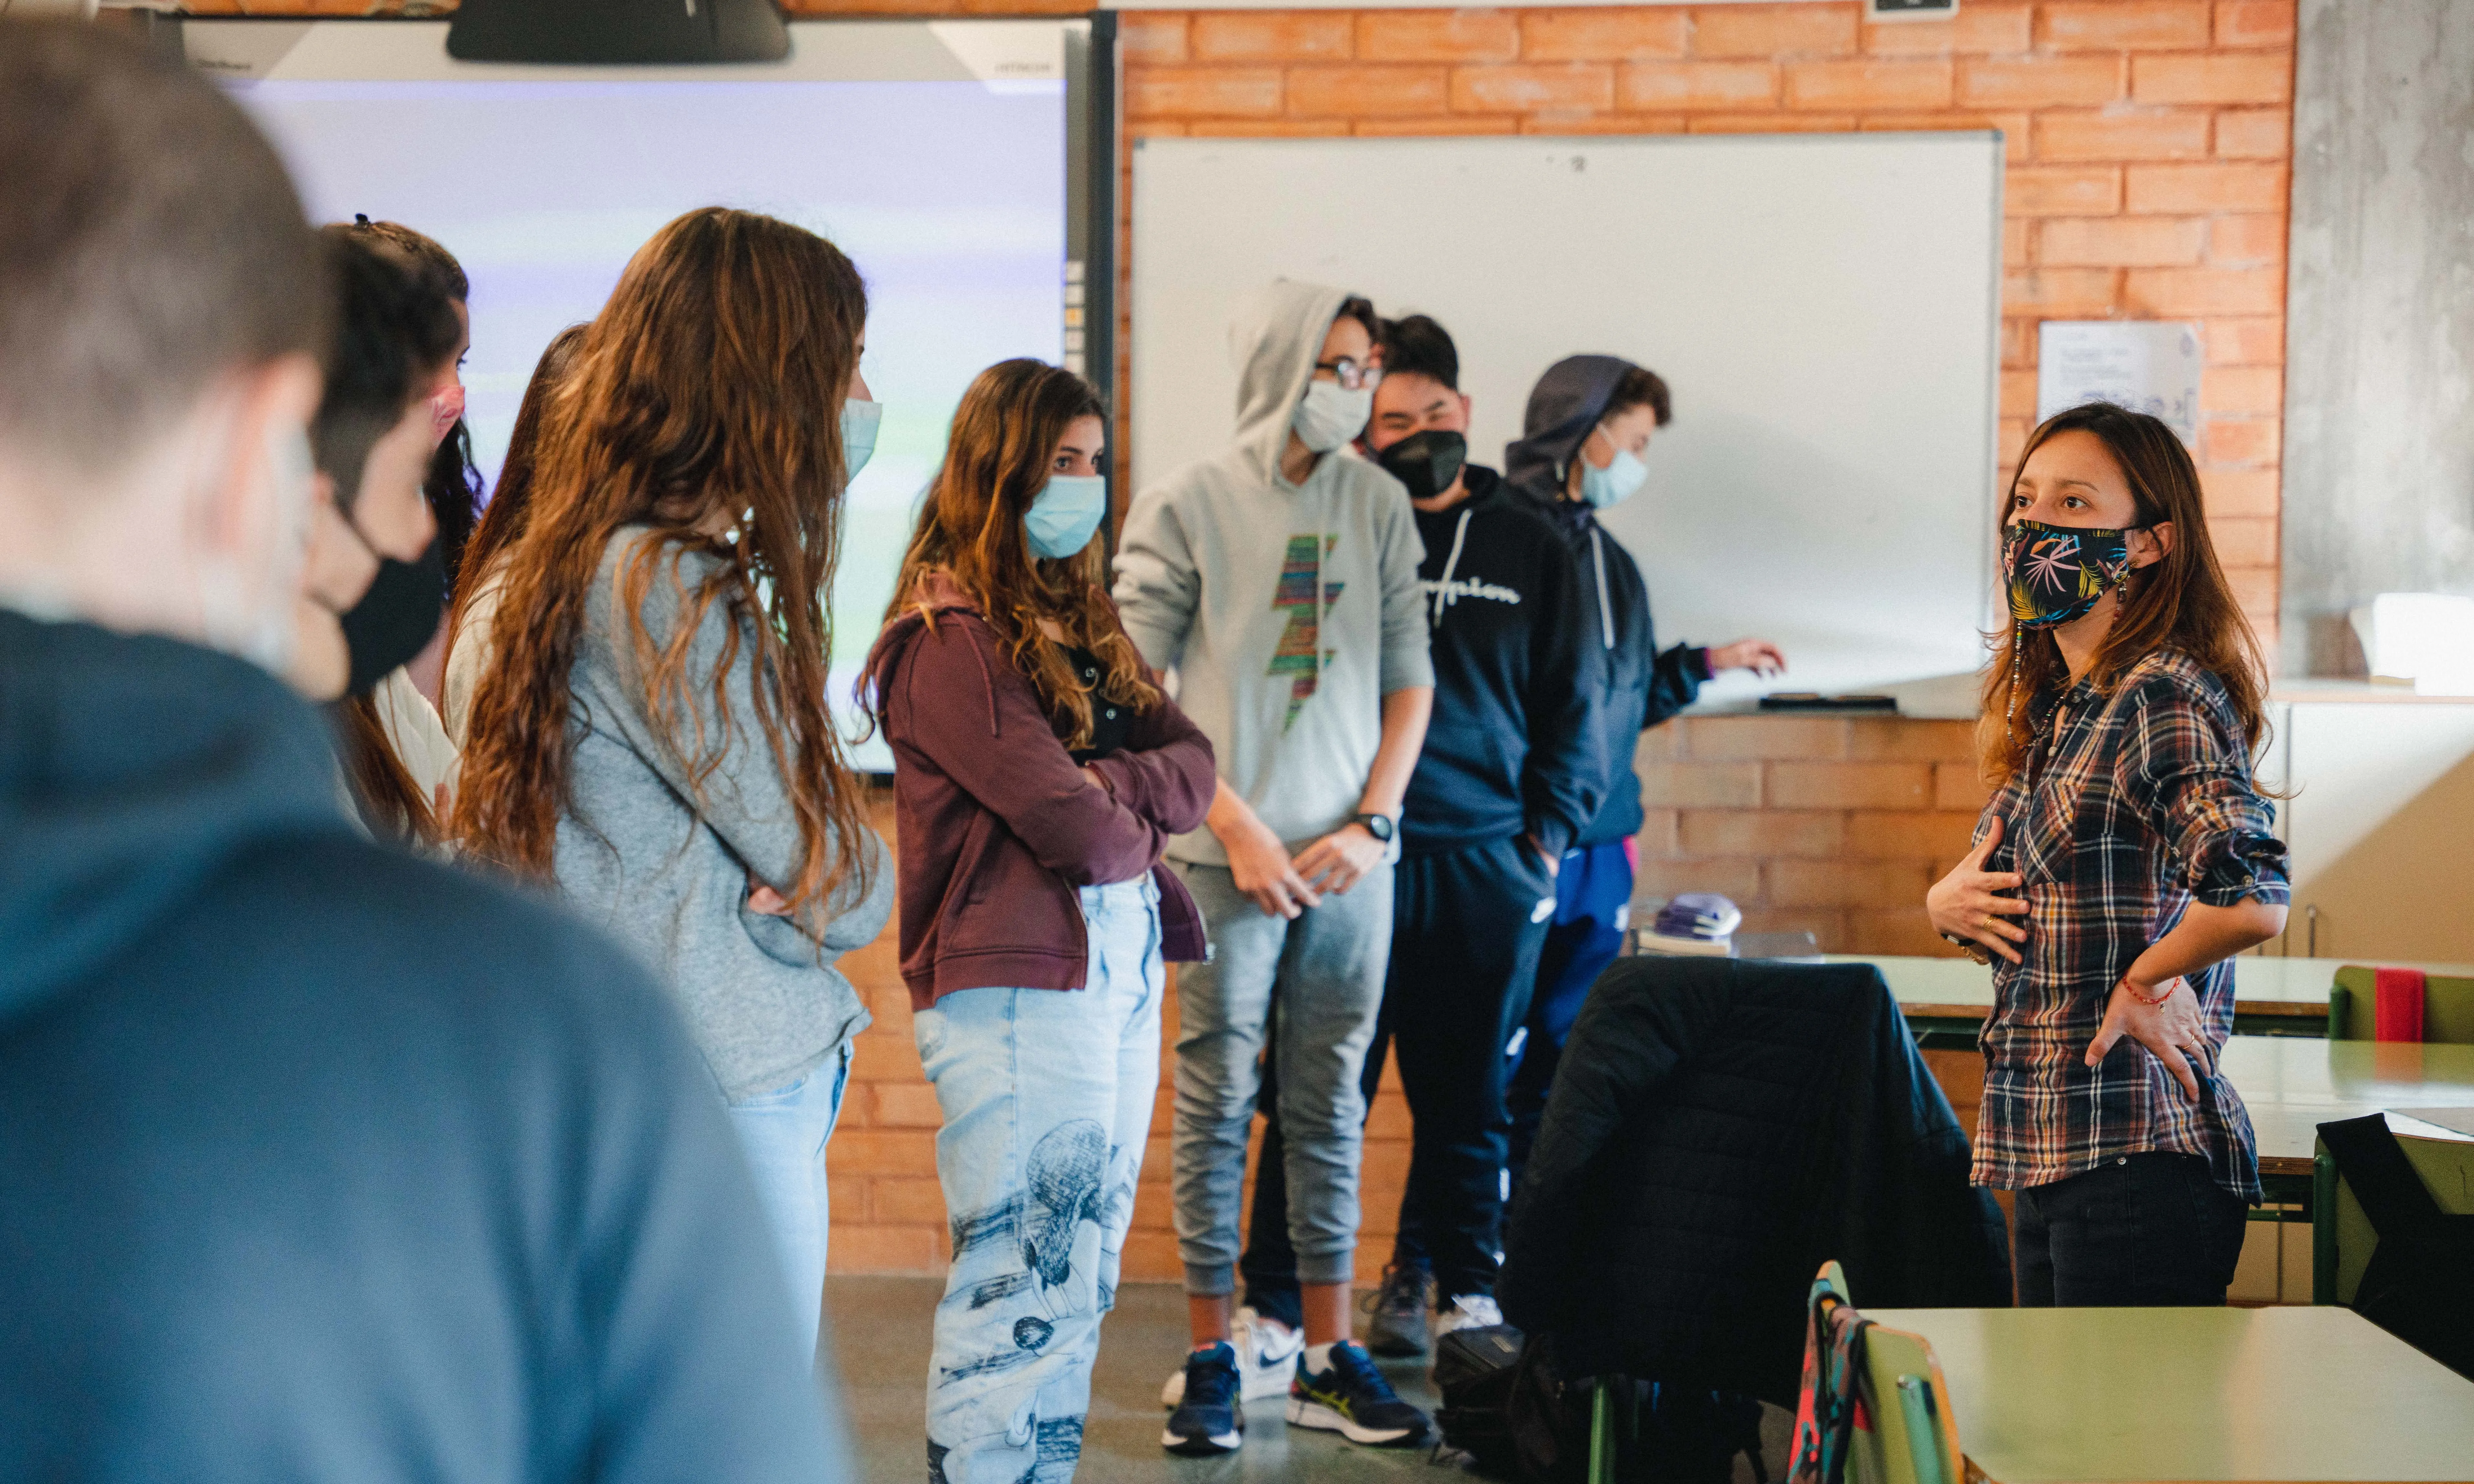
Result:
[
  {"x": 1830, "y": 825},
  {"x": 2149, "y": 144}
]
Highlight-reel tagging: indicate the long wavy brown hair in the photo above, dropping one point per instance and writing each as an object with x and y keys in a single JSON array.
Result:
[
  {"x": 705, "y": 403},
  {"x": 390, "y": 800},
  {"x": 511, "y": 501},
  {"x": 970, "y": 529},
  {"x": 2181, "y": 602}
]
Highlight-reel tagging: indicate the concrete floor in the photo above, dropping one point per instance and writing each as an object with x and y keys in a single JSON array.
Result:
[{"x": 880, "y": 1330}]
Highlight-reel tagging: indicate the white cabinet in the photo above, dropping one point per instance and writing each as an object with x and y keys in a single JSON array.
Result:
[{"x": 2381, "y": 823}]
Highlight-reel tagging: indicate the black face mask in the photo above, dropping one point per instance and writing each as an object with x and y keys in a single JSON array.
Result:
[
  {"x": 396, "y": 619},
  {"x": 1426, "y": 462}
]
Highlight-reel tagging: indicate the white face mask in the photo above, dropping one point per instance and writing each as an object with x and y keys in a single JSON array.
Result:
[
  {"x": 260, "y": 629},
  {"x": 1330, "y": 415}
]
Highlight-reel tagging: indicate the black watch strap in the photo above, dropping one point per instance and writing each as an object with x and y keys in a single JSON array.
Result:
[{"x": 1381, "y": 826}]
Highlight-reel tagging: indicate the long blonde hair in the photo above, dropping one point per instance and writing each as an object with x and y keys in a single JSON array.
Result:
[{"x": 713, "y": 381}]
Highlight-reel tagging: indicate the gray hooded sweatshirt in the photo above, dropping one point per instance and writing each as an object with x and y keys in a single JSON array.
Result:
[
  {"x": 669, "y": 878},
  {"x": 1289, "y": 611}
]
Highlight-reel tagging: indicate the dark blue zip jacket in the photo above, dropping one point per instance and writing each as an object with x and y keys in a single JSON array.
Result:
[
  {"x": 318, "y": 1161},
  {"x": 1512, "y": 748},
  {"x": 1639, "y": 685}
]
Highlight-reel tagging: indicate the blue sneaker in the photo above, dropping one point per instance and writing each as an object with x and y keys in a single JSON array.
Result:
[
  {"x": 1352, "y": 1398},
  {"x": 1209, "y": 1418}
]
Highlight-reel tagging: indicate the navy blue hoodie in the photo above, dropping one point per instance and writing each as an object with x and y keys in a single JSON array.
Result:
[
  {"x": 321, "y": 1161},
  {"x": 1512, "y": 748},
  {"x": 1639, "y": 685}
]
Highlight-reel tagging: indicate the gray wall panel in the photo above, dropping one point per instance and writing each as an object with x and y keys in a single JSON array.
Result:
[{"x": 2379, "y": 388}]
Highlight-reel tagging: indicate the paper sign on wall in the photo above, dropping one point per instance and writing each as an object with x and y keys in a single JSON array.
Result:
[{"x": 2139, "y": 364}]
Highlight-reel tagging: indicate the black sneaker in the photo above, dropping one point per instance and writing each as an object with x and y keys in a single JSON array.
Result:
[
  {"x": 1352, "y": 1398},
  {"x": 1209, "y": 1419},
  {"x": 1395, "y": 1324}
]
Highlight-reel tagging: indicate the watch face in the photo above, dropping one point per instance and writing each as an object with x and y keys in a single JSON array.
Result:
[{"x": 1377, "y": 825}]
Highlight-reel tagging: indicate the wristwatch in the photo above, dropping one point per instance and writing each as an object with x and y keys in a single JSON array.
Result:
[{"x": 1381, "y": 826}]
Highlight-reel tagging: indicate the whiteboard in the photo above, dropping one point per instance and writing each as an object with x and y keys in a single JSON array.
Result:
[{"x": 1826, "y": 309}]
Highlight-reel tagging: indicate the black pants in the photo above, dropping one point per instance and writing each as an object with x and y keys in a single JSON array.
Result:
[
  {"x": 2145, "y": 1231},
  {"x": 1466, "y": 933}
]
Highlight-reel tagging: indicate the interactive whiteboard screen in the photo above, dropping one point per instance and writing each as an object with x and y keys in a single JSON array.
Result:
[
  {"x": 934, "y": 154},
  {"x": 1824, "y": 308}
]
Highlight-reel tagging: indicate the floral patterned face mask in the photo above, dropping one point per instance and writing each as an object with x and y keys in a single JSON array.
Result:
[{"x": 2057, "y": 572}]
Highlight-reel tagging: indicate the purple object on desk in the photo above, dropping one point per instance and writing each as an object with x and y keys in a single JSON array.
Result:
[{"x": 1702, "y": 914}]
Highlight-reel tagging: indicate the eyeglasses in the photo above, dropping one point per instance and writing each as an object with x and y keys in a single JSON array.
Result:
[{"x": 1352, "y": 376}]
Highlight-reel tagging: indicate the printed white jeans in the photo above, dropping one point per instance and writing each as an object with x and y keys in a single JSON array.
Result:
[{"x": 1047, "y": 1096}]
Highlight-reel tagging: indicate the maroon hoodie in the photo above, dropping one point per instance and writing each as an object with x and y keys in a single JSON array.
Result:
[{"x": 997, "y": 825}]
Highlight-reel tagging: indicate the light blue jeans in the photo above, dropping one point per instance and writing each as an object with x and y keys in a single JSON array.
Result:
[
  {"x": 1047, "y": 1096},
  {"x": 783, "y": 1133}
]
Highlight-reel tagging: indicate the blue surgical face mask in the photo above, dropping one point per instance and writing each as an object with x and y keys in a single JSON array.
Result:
[
  {"x": 1063, "y": 515},
  {"x": 1618, "y": 481},
  {"x": 859, "y": 433}
]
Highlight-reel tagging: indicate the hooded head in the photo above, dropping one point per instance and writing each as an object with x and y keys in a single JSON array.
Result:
[
  {"x": 1568, "y": 401},
  {"x": 132, "y": 769},
  {"x": 1274, "y": 338}
]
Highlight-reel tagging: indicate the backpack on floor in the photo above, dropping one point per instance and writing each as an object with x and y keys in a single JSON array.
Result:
[
  {"x": 1475, "y": 1369},
  {"x": 1663, "y": 1433}
]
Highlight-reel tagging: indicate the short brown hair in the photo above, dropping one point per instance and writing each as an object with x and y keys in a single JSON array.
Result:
[
  {"x": 1642, "y": 387},
  {"x": 150, "y": 242},
  {"x": 394, "y": 329},
  {"x": 1359, "y": 307},
  {"x": 422, "y": 248}
]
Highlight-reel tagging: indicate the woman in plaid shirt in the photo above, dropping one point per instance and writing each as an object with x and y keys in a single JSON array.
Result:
[{"x": 2126, "y": 857}]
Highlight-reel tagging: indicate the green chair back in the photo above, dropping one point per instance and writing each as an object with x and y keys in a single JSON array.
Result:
[
  {"x": 2447, "y": 1007},
  {"x": 1908, "y": 1435},
  {"x": 2342, "y": 1238},
  {"x": 1913, "y": 1440}
]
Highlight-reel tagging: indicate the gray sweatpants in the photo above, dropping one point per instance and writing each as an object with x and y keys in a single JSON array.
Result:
[{"x": 1327, "y": 968}]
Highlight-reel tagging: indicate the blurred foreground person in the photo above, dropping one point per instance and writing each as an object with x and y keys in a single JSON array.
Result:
[{"x": 319, "y": 1160}]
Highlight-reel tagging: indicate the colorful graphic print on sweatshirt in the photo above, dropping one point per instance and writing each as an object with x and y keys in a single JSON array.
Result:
[{"x": 1298, "y": 654}]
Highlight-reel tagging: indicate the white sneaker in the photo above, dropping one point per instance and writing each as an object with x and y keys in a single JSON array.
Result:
[
  {"x": 1267, "y": 1358},
  {"x": 1468, "y": 1311},
  {"x": 1271, "y": 1359}
]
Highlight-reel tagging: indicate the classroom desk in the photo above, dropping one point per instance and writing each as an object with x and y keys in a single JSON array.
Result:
[
  {"x": 2141, "y": 1396},
  {"x": 2291, "y": 1086},
  {"x": 2271, "y": 996}
]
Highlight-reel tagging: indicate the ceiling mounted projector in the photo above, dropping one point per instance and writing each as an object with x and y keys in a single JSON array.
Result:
[{"x": 617, "y": 32}]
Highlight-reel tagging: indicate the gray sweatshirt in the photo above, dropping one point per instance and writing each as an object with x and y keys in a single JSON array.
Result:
[
  {"x": 1289, "y": 611},
  {"x": 670, "y": 879}
]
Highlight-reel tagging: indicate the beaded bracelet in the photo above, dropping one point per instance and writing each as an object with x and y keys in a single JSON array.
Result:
[{"x": 2144, "y": 1000}]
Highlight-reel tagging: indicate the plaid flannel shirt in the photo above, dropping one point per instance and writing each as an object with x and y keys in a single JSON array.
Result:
[{"x": 2135, "y": 803}]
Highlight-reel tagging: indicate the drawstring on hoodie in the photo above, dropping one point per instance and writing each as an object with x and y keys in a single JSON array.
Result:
[
  {"x": 1451, "y": 564},
  {"x": 1606, "y": 615}
]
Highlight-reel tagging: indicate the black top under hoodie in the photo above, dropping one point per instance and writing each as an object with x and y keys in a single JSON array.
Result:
[
  {"x": 1510, "y": 749},
  {"x": 1639, "y": 684},
  {"x": 321, "y": 1161}
]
